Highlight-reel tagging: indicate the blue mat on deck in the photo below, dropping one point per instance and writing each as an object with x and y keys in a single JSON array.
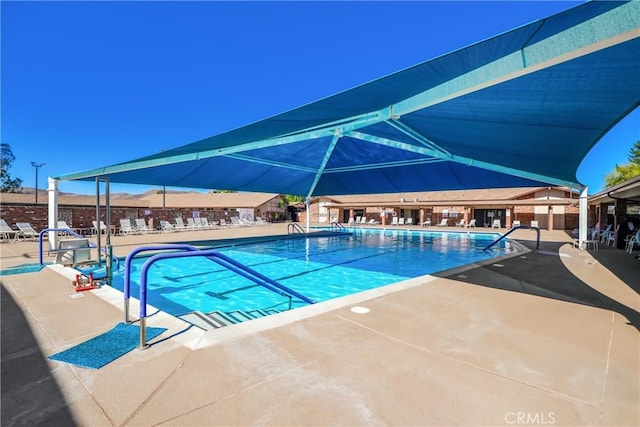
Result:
[
  {"x": 21, "y": 269},
  {"x": 107, "y": 347}
]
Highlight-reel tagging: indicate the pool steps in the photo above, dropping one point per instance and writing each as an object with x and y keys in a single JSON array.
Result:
[{"x": 219, "y": 319}]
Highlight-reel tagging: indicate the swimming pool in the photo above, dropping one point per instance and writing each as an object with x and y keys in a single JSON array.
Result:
[{"x": 320, "y": 268}]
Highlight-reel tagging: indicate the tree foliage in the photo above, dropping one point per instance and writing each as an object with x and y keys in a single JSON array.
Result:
[
  {"x": 634, "y": 153},
  {"x": 625, "y": 172},
  {"x": 8, "y": 184}
]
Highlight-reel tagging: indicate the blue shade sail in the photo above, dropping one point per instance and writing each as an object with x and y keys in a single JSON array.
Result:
[{"x": 520, "y": 109}]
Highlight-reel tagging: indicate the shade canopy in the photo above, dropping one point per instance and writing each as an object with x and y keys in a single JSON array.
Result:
[{"x": 520, "y": 109}]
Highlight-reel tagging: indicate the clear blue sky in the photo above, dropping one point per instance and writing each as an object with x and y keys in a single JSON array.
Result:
[{"x": 90, "y": 84}]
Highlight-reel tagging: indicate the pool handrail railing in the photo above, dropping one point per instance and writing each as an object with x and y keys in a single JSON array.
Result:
[
  {"x": 295, "y": 228},
  {"x": 511, "y": 231},
  {"x": 211, "y": 254},
  {"x": 336, "y": 226}
]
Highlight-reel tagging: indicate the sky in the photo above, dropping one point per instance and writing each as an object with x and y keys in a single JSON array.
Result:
[{"x": 91, "y": 84}]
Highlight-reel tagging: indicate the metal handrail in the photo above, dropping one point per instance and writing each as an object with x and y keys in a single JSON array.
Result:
[
  {"x": 295, "y": 228},
  {"x": 335, "y": 225},
  {"x": 211, "y": 254},
  {"x": 514, "y": 229}
]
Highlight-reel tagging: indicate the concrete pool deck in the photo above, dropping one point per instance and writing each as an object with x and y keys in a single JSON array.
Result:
[{"x": 548, "y": 337}]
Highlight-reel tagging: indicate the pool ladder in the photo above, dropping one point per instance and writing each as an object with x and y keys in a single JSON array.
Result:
[
  {"x": 220, "y": 319},
  {"x": 295, "y": 228}
]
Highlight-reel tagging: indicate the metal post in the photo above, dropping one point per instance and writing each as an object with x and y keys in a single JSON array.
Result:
[
  {"x": 37, "y": 166},
  {"x": 306, "y": 206},
  {"x": 143, "y": 333},
  {"x": 108, "y": 247},
  {"x": 98, "y": 230},
  {"x": 582, "y": 219}
]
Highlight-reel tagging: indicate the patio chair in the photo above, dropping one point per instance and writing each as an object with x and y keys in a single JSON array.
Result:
[
  {"x": 6, "y": 232},
  {"x": 496, "y": 224},
  {"x": 610, "y": 239},
  {"x": 27, "y": 231},
  {"x": 444, "y": 222},
  {"x": 461, "y": 223},
  {"x": 632, "y": 241},
  {"x": 472, "y": 223}
]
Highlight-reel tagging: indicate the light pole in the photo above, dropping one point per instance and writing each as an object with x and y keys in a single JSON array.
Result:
[{"x": 37, "y": 166}]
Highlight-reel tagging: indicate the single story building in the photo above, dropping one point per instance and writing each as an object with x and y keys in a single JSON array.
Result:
[
  {"x": 555, "y": 208},
  {"x": 79, "y": 211}
]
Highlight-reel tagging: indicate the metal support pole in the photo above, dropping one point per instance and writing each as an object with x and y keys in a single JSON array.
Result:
[
  {"x": 306, "y": 206},
  {"x": 143, "y": 333},
  {"x": 582, "y": 218},
  {"x": 108, "y": 247},
  {"x": 98, "y": 230}
]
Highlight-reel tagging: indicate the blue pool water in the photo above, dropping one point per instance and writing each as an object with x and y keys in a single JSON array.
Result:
[{"x": 320, "y": 268}]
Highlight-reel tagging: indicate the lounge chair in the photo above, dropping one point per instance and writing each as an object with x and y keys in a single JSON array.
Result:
[
  {"x": 444, "y": 222},
  {"x": 461, "y": 223},
  {"x": 180, "y": 224},
  {"x": 235, "y": 221},
  {"x": 400, "y": 221},
  {"x": 394, "y": 221},
  {"x": 408, "y": 221},
  {"x": 126, "y": 227},
  {"x": 223, "y": 223},
  {"x": 259, "y": 221},
  {"x": 363, "y": 220},
  {"x": 63, "y": 224},
  {"x": 534, "y": 224},
  {"x": 472, "y": 223},
  {"x": 373, "y": 221},
  {"x": 101, "y": 226},
  {"x": 426, "y": 223},
  {"x": 27, "y": 231},
  {"x": 142, "y": 227},
  {"x": 515, "y": 224},
  {"x": 191, "y": 224},
  {"x": 496, "y": 224},
  {"x": 7, "y": 232},
  {"x": 246, "y": 222},
  {"x": 167, "y": 227}
]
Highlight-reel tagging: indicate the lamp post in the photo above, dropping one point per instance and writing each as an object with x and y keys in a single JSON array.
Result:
[{"x": 37, "y": 166}]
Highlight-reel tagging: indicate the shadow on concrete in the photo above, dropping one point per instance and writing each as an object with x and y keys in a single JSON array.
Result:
[
  {"x": 543, "y": 274},
  {"x": 30, "y": 393}
]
